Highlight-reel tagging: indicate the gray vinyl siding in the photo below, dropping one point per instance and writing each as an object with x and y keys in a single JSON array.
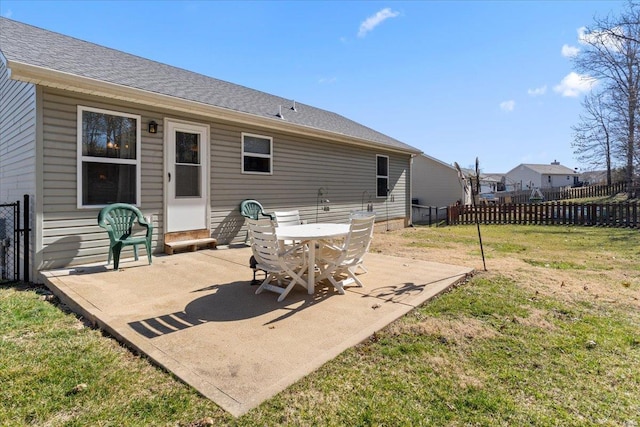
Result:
[
  {"x": 71, "y": 236},
  {"x": 17, "y": 138},
  {"x": 300, "y": 167},
  {"x": 18, "y": 147}
]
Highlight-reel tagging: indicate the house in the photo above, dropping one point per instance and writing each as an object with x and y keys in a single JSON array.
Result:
[
  {"x": 593, "y": 177},
  {"x": 434, "y": 186},
  {"x": 435, "y": 183},
  {"x": 495, "y": 181},
  {"x": 82, "y": 125},
  {"x": 530, "y": 176},
  {"x": 488, "y": 184}
]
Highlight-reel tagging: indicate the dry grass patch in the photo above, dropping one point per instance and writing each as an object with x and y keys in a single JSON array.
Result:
[
  {"x": 566, "y": 262},
  {"x": 536, "y": 319},
  {"x": 456, "y": 331}
]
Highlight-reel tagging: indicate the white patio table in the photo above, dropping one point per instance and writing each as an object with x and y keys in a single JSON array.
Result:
[{"x": 312, "y": 233}]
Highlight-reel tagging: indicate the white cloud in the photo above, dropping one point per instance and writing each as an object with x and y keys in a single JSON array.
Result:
[
  {"x": 574, "y": 84},
  {"x": 608, "y": 38},
  {"x": 583, "y": 36},
  {"x": 373, "y": 21},
  {"x": 8, "y": 14},
  {"x": 537, "y": 91},
  {"x": 508, "y": 105},
  {"x": 327, "y": 80},
  {"x": 569, "y": 51}
]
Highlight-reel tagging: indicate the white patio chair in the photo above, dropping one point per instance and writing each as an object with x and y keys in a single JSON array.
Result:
[
  {"x": 334, "y": 261},
  {"x": 271, "y": 257},
  {"x": 286, "y": 218},
  {"x": 362, "y": 214}
]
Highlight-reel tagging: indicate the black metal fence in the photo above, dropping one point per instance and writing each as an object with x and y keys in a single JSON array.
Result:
[{"x": 14, "y": 241}]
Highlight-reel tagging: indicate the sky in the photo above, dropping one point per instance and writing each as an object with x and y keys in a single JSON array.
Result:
[{"x": 459, "y": 80}]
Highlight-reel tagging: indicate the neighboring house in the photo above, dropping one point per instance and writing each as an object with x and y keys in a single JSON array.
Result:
[
  {"x": 435, "y": 183},
  {"x": 593, "y": 177},
  {"x": 489, "y": 183},
  {"x": 495, "y": 181},
  {"x": 83, "y": 125},
  {"x": 530, "y": 176}
]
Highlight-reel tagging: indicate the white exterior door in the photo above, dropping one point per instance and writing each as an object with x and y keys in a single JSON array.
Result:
[{"x": 187, "y": 176}]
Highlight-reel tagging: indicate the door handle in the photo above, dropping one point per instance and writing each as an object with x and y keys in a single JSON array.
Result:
[{"x": 169, "y": 173}]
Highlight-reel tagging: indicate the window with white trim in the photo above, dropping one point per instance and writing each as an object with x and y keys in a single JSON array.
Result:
[
  {"x": 257, "y": 154},
  {"x": 382, "y": 175},
  {"x": 108, "y": 157}
]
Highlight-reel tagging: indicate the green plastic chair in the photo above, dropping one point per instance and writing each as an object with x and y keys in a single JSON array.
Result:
[
  {"x": 252, "y": 209},
  {"x": 118, "y": 219}
]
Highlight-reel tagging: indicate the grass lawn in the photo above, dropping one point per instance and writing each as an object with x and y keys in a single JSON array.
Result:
[{"x": 549, "y": 335}]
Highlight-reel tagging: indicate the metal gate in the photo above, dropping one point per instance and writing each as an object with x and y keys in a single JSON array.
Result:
[{"x": 13, "y": 239}]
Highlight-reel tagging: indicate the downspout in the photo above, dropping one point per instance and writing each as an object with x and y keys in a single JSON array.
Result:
[
  {"x": 37, "y": 214},
  {"x": 410, "y": 203}
]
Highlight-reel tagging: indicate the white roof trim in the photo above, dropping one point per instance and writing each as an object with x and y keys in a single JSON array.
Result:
[{"x": 438, "y": 161}]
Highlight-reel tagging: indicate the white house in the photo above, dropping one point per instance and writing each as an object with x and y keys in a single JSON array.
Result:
[
  {"x": 529, "y": 176},
  {"x": 435, "y": 183}
]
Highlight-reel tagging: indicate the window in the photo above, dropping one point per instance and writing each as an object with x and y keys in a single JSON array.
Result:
[
  {"x": 188, "y": 167},
  {"x": 382, "y": 175},
  {"x": 108, "y": 157},
  {"x": 256, "y": 154}
]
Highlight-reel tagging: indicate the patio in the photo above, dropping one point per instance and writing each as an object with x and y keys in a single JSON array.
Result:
[{"x": 195, "y": 315}]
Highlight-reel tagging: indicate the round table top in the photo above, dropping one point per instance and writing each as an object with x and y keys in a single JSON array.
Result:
[{"x": 322, "y": 230}]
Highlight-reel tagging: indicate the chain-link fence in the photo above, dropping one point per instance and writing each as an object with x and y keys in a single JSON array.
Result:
[{"x": 428, "y": 215}]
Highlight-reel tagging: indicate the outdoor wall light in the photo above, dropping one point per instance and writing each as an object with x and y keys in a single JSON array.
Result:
[{"x": 153, "y": 127}]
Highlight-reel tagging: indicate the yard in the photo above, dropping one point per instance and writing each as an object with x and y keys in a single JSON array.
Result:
[{"x": 549, "y": 335}]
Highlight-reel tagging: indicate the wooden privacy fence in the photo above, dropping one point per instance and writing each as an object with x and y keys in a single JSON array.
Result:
[
  {"x": 557, "y": 193},
  {"x": 623, "y": 214}
]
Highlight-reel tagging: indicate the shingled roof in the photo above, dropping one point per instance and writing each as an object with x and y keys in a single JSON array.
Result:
[
  {"x": 552, "y": 169},
  {"x": 54, "y": 53}
]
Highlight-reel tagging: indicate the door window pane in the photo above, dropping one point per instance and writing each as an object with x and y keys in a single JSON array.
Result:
[
  {"x": 188, "y": 181},
  {"x": 187, "y": 148}
]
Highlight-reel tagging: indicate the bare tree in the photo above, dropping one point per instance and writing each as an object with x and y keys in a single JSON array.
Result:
[
  {"x": 593, "y": 135},
  {"x": 612, "y": 57}
]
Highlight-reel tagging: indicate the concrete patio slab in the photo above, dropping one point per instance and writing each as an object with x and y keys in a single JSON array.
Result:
[{"x": 196, "y": 315}]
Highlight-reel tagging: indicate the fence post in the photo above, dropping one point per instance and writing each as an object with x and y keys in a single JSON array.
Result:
[{"x": 25, "y": 237}]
